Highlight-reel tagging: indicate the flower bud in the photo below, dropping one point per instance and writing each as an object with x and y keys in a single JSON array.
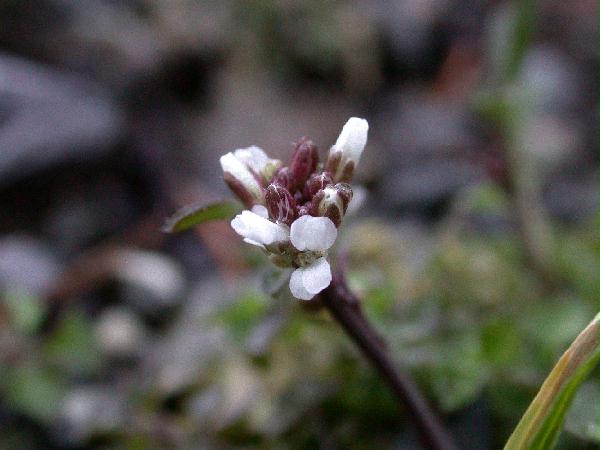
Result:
[
  {"x": 332, "y": 202},
  {"x": 298, "y": 196},
  {"x": 283, "y": 177},
  {"x": 241, "y": 180},
  {"x": 345, "y": 154},
  {"x": 316, "y": 182},
  {"x": 304, "y": 161},
  {"x": 280, "y": 204},
  {"x": 345, "y": 192}
]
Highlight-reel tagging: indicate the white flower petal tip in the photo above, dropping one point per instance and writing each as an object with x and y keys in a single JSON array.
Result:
[
  {"x": 251, "y": 242},
  {"x": 261, "y": 211},
  {"x": 253, "y": 156},
  {"x": 238, "y": 170},
  {"x": 229, "y": 163},
  {"x": 353, "y": 138},
  {"x": 313, "y": 233},
  {"x": 306, "y": 282},
  {"x": 257, "y": 230}
]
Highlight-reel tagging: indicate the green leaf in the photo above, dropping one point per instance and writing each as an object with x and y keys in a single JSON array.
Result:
[
  {"x": 193, "y": 215},
  {"x": 25, "y": 311},
  {"x": 541, "y": 424},
  {"x": 461, "y": 372},
  {"x": 509, "y": 38},
  {"x": 34, "y": 391},
  {"x": 577, "y": 261},
  {"x": 245, "y": 313},
  {"x": 72, "y": 346},
  {"x": 488, "y": 198},
  {"x": 501, "y": 342},
  {"x": 522, "y": 30}
]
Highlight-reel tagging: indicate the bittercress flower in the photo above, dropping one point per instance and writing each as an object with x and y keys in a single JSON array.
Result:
[{"x": 294, "y": 211}]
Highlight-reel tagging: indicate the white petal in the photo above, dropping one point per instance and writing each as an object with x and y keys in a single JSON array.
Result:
[
  {"x": 352, "y": 139},
  {"x": 308, "y": 281},
  {"x": 316, "y": 276},
  {"x": 258, "y": 229},
  {"x": 229, "y": 163},
  {"x": 253, "y": 157},
  {"x": 313, "y": 233},
  {"x": 297, "y": 286},
  {"x": 251, "y": 242},
  {"x": 261, "y": 211}
]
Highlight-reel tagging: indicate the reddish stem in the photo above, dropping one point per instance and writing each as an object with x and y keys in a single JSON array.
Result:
[{"x": 345, "y": 308}]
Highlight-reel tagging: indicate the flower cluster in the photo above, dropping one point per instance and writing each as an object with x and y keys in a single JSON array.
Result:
[{"x": 294, "y": 211}]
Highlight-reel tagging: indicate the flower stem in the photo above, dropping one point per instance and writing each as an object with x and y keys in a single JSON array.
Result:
[{"x": 345, "y": 308}]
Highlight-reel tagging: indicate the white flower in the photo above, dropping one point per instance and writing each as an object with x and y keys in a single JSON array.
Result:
[
  {"x": 311, "y": 236},
  {"x": 261, "y": 210},
  {"x": 257, "y": 230},
  {"x": 253, "y": 157},
  {"x": 303, "y": 244},
  {"x": 308, "y": 281},
  {"x": 314, "y": 234},
  {"x": 242, "y": 174},
  {"x": 348, "y": 148},
  {"x": 352, "y": 139}
]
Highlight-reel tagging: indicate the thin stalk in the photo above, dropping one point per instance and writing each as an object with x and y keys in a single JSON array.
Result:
[
  {"x": 344, "y": 307},
  {"x": 531, "y": 220}
]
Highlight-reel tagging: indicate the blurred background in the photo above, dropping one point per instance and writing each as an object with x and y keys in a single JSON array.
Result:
[{"x": 475, "y": 248}]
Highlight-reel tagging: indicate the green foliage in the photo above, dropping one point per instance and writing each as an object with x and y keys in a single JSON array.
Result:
[
  {"x": 72, "y": 345},
  {"x": 25, "y": 311},
  {"x": 34, "y": 391},
  {"x": 470, "y": 321},
  {"x": 501, "y": 342},
  {"x": 576, "y": 259},
  {"x": 488, "y": 198},
  {"x": 551, "y": 325},
  {"x": 509, "y": 40},
  {"x": 243, "y": 314},
  {"x": 520, "y": 35},
  {"x": 541, "y": 424},
  {"x": 379, "y": 303},
  {"x": 192, "y": 215},
  {"x": 460, "y": 370}
]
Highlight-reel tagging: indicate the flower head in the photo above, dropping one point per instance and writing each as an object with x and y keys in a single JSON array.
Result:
[{"x": 295, "y": 210}]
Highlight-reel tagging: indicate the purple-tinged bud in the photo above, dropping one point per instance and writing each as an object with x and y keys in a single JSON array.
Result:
[
  {"x": 241, "y": 180},
  {"x": 315, "y": 202},
  {"x": 244, "y": 195},
  {"x": 345, "y": 192},
  {"x": 316, "y": 182},
  {"x": 299, "y": 197},
  {"x": 347, "y": 172},
  {"x": 280, "y": 204},
  {"x": 304, "y": 161},
  {"x": 284, "y": 177},
  {"x": 342, "y": 168},
  {"x": 345, "y": 153},
  {"x": 333, "y": 161},
  {"x": 332, "y": 202}
]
